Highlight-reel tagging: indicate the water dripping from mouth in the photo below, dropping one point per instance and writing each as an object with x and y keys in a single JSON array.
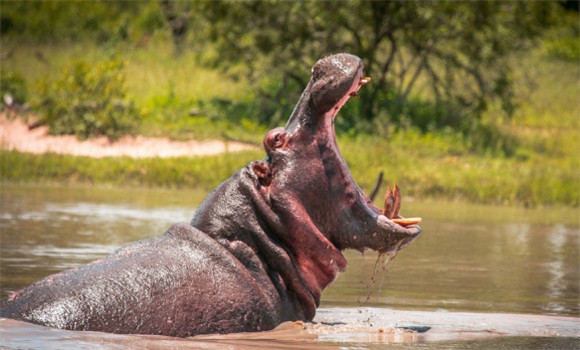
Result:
[{"x": 384, "y": 261}]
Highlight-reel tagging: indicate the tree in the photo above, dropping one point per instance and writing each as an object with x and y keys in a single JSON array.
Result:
[
  {"x": 41, "y": 21},
  {"x": 448, "y": 55},
  {"x": 178, "y": 20}
]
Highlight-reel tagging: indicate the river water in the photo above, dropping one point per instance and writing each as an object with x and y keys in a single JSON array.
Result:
[{"x": 470, "y": 260}]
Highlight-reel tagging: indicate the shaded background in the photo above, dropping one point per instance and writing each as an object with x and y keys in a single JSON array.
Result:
[{"x": 481, "y": 96}]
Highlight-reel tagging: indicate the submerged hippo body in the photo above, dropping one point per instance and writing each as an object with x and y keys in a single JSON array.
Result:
[{"x": 258, "y": 252}]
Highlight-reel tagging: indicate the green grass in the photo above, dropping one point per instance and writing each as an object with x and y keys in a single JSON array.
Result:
[
  {"x": 543, "y": 170},
  {"x": 423, "y": 169},
  {"x": 180, "y": 172}
]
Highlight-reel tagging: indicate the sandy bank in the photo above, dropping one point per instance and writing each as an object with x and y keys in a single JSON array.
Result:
[{"x": 15, "y": 135}]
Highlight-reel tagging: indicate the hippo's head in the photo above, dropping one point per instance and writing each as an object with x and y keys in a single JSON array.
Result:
[{"x": 309, "y": 186}]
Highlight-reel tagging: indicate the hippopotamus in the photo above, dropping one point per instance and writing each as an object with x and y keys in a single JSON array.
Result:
[{"x": 259, "y": 250}]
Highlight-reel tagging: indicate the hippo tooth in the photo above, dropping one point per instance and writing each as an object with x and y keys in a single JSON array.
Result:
[
  {"x": 397, "y": 203},
  {"x": 364, "y": 80},
  {"x": 388, "y": 211}
]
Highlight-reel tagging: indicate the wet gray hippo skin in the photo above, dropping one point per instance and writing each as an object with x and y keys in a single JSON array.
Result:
[{"x": 258, "y": 252}]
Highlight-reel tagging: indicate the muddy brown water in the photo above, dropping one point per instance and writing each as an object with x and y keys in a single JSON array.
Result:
[{"x": 479, "y": 277}]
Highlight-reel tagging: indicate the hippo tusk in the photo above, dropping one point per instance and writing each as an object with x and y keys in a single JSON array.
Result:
[
  {"x": 362, "y": 82},
  {"x": 407, "y": 221}
]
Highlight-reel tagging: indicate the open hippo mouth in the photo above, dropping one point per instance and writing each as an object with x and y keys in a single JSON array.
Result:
[
  {"x": 335, "y": 79},
  {"x": 309, "y": 188}
]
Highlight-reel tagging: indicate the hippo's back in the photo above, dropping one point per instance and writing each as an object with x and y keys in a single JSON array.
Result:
[{"x": 182, "y": 283}]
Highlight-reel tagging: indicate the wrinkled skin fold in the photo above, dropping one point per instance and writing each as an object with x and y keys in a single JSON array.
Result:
[{"x": 258, "y": 252}]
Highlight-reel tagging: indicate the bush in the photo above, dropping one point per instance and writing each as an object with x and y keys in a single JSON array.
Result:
[
  {"x": 12, "y": 87},
  {"x": 87, "y": 100},
  {"x": 567, "y": 48}
]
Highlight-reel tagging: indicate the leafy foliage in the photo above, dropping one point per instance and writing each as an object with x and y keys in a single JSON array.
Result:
[
  {"x": 99, "y": 20},
  {"x": 13, "y": 86},
  {"x": 437, "y": 66},
  {"x": 450, "y": 55},
  {"x": 563, "y": 41},
  {"x": 87, "y": 100}
]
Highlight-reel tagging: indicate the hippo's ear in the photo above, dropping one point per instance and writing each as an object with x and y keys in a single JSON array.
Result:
[{"x": 263, "y": 172}]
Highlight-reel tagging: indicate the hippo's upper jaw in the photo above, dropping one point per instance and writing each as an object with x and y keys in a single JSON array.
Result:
[{"x": 334, "y": 80}]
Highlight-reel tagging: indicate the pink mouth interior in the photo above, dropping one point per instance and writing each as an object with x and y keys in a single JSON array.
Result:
[{"x": 359, "y": 81}]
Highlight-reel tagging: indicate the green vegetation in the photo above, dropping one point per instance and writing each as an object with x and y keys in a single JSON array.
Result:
[
  {"x": 424, "y": 166},
  {"x": 204, "y": 172},
  {"x": 514, "y": 139},
  {"x": 12, "y": 84},
  {"x": 446, "y": 57},
  {"x": 87, "y": 100}
]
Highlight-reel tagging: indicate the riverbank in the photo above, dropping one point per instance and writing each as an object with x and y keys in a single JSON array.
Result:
[{"x": 424, "y": 166}]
